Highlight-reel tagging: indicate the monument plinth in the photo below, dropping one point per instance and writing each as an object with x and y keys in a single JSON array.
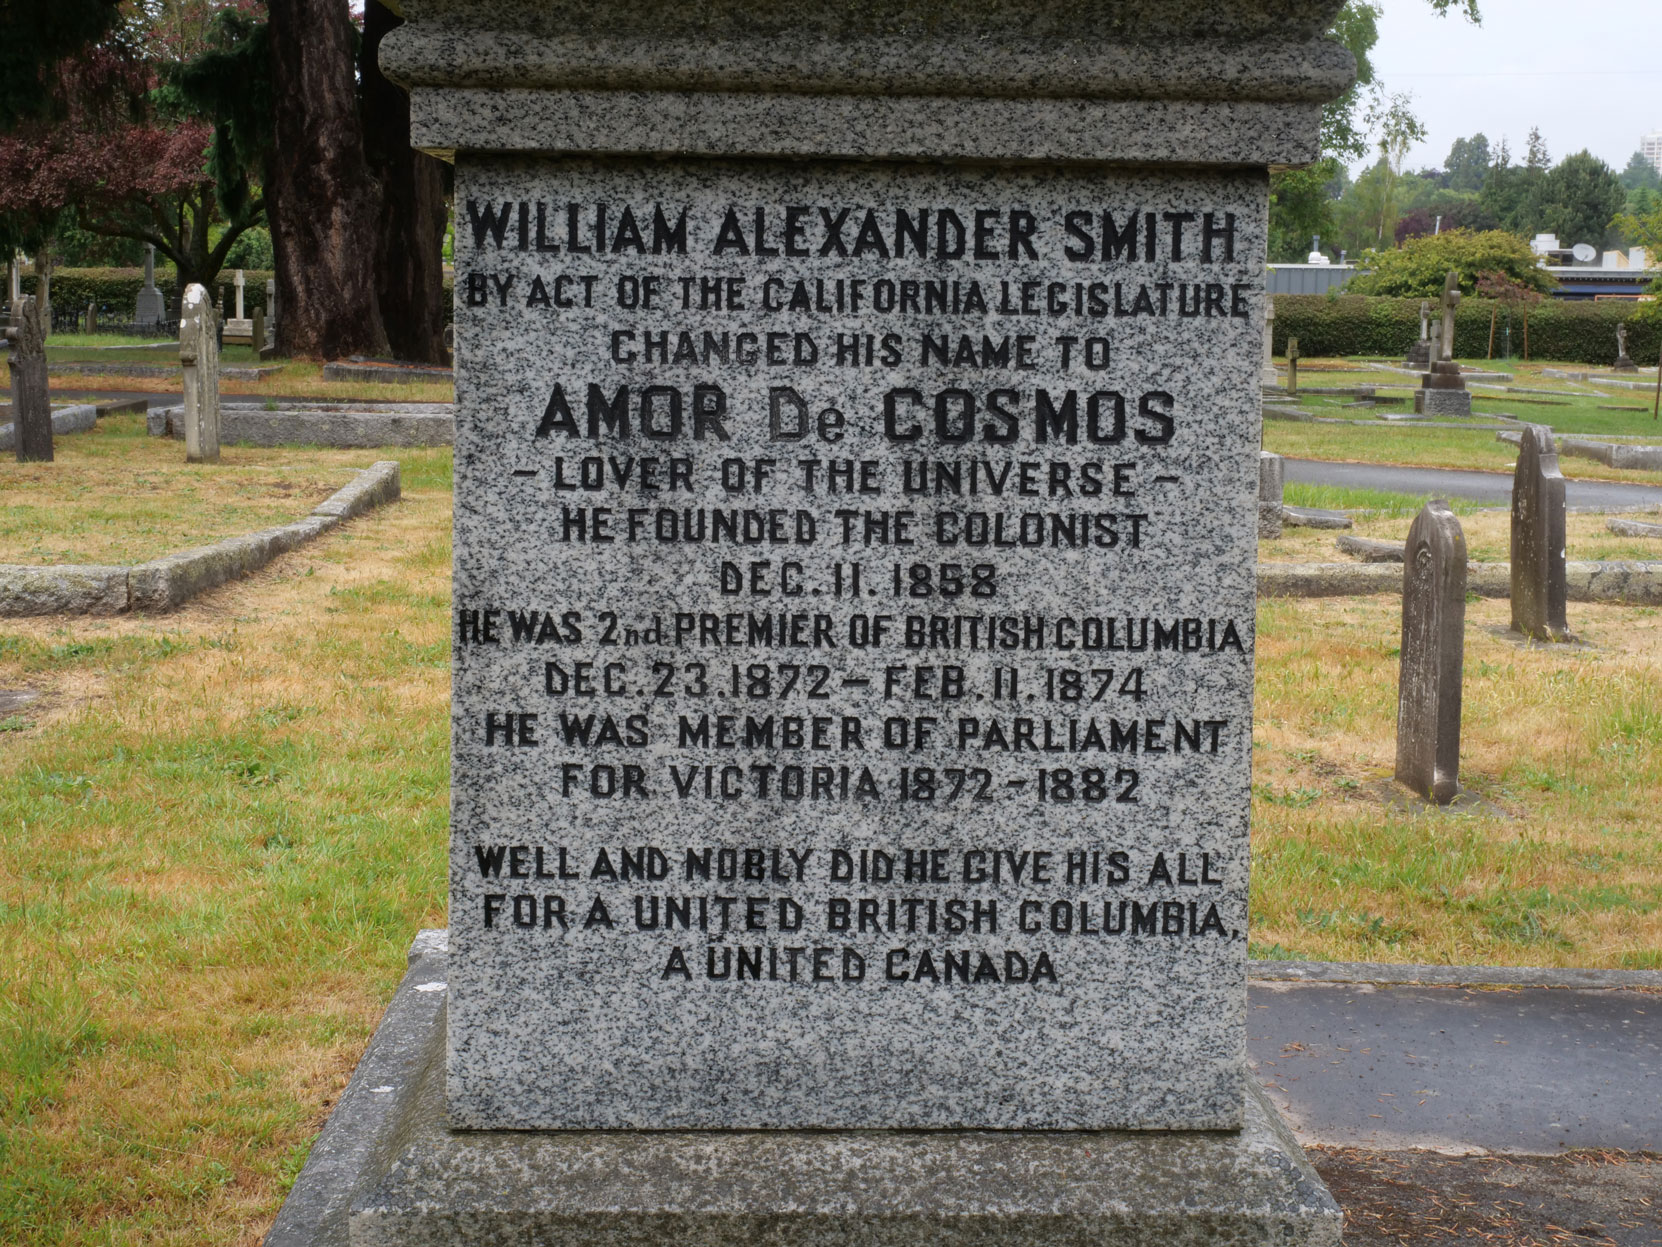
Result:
[{"x": 857, "y": 488}]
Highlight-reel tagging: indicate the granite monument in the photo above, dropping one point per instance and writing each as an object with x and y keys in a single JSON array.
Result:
[
  {"x": 1443, "y": 389},
  {"x": 857, "y": 476}
]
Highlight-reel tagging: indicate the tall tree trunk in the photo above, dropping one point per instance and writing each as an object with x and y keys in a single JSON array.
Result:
[
  {"x": 322, "y": 203},
  {"x": 409, "y": 267}
]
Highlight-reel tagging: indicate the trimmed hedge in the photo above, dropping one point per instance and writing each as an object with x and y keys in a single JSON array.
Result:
[
  {"x": 115, "y": 290},
  {"x": 1571, "y": 332}
]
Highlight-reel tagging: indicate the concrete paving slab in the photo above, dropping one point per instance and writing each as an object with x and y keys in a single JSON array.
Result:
[{"x": 1533, "y": 1071}]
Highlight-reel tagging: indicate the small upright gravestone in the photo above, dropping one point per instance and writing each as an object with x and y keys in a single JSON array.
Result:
[
  {"x": 1539, "y": 588},
  {"x": 1442, "y": 389},
  {"x": 1271, "y": 492},
  {"x": 1292, "y": 366},
  {"x": 1433, "y": 655},
  {"x": 31, "y": 406},
  {"x": 151, "y": 308},
  {"x": 1419, "y": 354},
  {"x": 1623, "y": 362},
  {"x": 199, "y": 356},
  {"x": 1267, "y": 375}
]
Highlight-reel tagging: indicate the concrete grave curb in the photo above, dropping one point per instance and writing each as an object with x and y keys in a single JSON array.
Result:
[
  {"x": 76, "y": 419},
  {"x": 162, "y": 371},
  {"x": 1624, "y": 582},
  {"x": 168, "y": 582},
  {"x": 1610, "y": 454},
  {"x": 347, "y": 426}
]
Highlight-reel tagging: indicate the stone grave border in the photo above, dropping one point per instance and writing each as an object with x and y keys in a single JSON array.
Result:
[
  {"x": 234, "y": 372},
  {"x": 343, "y": 425},
  {"x": 1620, "y": 582},
  {"x": 76, "y": 418},
  {"x": 172, "y": 580}
]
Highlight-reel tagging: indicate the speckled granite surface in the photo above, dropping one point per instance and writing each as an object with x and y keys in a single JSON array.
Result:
[
  {"x": 395, "y": 1176},
  {"x": 1056, "y": 596}
]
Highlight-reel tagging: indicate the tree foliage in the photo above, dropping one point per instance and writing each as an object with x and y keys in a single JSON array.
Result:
[
  {"x": 1579, "y": 198},
  {"x": 1467, "y": 163},
  {"x": 1418, "y": 268},
  {"x": 1640, "y": 174},
  {"x": 130, "y": 148}
]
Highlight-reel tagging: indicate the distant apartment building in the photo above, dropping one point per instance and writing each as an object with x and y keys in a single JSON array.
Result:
[{"x": 1650, "y": 147}]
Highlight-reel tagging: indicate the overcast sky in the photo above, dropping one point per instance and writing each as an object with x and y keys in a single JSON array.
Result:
[{"x": 1589, "y": 74}]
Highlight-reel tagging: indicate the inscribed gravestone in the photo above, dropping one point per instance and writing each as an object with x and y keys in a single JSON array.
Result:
[
  {"x": 1268, "y": 376},
  {"x": 1539, "y": 586},
  {"x": 820, "y": 667},
  {"x": 199, "y": 358},
  {"x": 1432, "y": 655},
  {"x": 150, "y": 308},
  {"x": 31, "y": 405},
  {"x": 1272, "y": 470}
]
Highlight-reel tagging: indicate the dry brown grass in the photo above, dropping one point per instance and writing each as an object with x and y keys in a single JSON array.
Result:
[
  {"x": 1563, "y": 743},
  {"x": 296, "y": 380},
  {"x": 113, "y": 495},
  {"x": 218, "y": 830}
]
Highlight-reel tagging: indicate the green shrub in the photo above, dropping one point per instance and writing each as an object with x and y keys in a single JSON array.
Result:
[
  {"x": 1573, "y": 332},
  {"x": 115, "y": 290},
  {"x": 1419, "y": 267}
]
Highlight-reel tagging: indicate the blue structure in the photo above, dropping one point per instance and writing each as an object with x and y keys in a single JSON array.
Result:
[{"x": 1306, "y": 278}]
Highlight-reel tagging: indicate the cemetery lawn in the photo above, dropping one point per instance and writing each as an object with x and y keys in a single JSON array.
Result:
[
  {"x": 1562, "y": 865},
  {"x": 1576, "y": 408},
  {"x": 220, "y": 829},
  {"x": 114, "y": 495},
  {"x": 1488, "y": 529}
]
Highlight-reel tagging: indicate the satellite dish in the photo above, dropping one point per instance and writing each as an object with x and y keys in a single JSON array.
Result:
[{"x": 1585, "y": 252}]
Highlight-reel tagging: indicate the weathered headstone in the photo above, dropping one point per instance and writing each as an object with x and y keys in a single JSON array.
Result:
[
  {"x": 14, "y": 285},
  {"x": 1623, "y": 363},
  {"x": 1419, "y": 354},
  {"x": 1292, "y": 365},
  {"x": 1539, "y": 588},
  {"x": 271, "y": 312},
  {"x": 92, "y": 318},
  {"x": 256, "y": 332},
  {"x": 150, "y": 308},
  {"x": 1268, "y": 375},
  {"x": 238, "y": 281},
  {"x": 1432, "y": 655},
  {"x": 1442, "y": 389},
  {"x": 1271, "y": 493},
  {"x": 31, "y": 403},
  {"x": 856, "y": 476},
  {"x": 199, "y": 356}
]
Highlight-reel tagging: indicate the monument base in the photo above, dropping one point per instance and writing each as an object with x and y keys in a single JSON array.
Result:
[
  {"x": 1624, "y": 364},
  {"x": 1443, "y": 402},
  {"x": 387, "y": 1171}
]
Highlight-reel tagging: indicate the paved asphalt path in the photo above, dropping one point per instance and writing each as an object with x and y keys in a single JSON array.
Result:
[
  {"x": 1493, "y": 487},
  {"x": 1527, "y": 1070}
]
